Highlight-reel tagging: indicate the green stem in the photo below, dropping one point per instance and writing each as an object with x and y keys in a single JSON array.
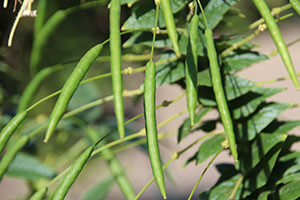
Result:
[
  {"x": 261, "y": 28},
  {"x": 275, "y": 11},
  {"x": 204, "y": 171},
  {"x": 236, "y": 187},
  {"x": 128, "y": 71},
  {"x": 175, "y": 156}
]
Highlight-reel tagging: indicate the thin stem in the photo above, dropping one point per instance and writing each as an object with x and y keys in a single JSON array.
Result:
[
  {"x": 175, "y": 156},
  {"x": 275, "y": 80},
  {"x": 202, "y": 10},
  {"x": 261, "y": 28},
  {"x": 204, "y": 171},
  {"x": 275, "y": 52},
  {"x": 236, "y": 187},
  {"x": 85, "y": 107},
  {"x": 275, "y": 11},
  {"x": 140, "y": 133},
  {"x": 240, "y": 43},
  {"x": 128, "y": 71},
  {"x": 161, "y": 136},
  {"x": 154, "y": 30}
]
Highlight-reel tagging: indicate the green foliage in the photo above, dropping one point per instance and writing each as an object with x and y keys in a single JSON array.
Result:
[
  {"x": 267, "y": 166},
  {"x": 28, "y": 167}
]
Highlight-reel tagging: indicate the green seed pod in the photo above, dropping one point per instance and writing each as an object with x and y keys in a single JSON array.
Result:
[
  {"x": 151, "y": 129},
  {"x": 115, "y": 63},
  {"x": 169, "y": 20},
  {"x": 34, "y": 84},
  {"x": 191, "y": 68},
  {"x": 296, "y": 6},
  {"x": 72, "y": 174},
  {"x": 38, "y": 195},
  {"x": 70, "y": 87},
  {"x": 219, "y": 92},
  {"x": 277, "y": 37},
  {"x": 11, "y": 154},
  {"x": 117, "y": 172},
  {"x": 10, "y": 128}
]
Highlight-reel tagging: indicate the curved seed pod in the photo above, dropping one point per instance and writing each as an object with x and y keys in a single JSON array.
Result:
[
  {"x": 70, "y": 87},
  {"x": 41, "y": 17},
  {"x": 117, "y": 172},
  {"x": 169, "y": 20},
  {"x": 115, "y": 63},
  {"x": 42, "y": 38},
  {"x": 296, "y": 6},
  {"x": 34, "y": 85},
  {"x": 277, "y": 37},
  {"x": 47, "y": 29},
  {"x": 38, "y": 195},
  {"x": 72, "y": 174},
  {"x": 219, "y": 92},
  {"x": 10, "y": 128},
  {"x": 11, "y": 154},
  {"x": 191, "y": 68},
  {"x": 151, "y": 129}
]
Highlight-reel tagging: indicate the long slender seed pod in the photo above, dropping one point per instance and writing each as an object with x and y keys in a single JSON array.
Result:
[
  {"x": 169, "y": 20},
  {"x": 41, "y": 39},
  {"x": 72, "y": 174},
  {"x": 70, "y": 87},
  {"x": 41, "y": 17},
  {"x": 34, "y": 84},
  {"x": 277, "y": 37},
  {"x": 38, "y": 195},
  {"x": 191, "y": 68},
  {"x": 151, "y": 129},
  {"x": 296, "y": 6},
  {"x": 219, "y": 93},
  {"x": 10, "y": 128},
  {"x": 118, "y": 173},
  {"x": 115, "y": 63},
  {"x": 11, "y": 154}
]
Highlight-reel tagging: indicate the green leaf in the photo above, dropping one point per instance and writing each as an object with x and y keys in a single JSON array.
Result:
[
  {"x": 259, "y": 176},
  {"x": 186, "y": 128},
  {"x": 85, "y": 94},
  {"x": 290, "y": 191},
  {"x": 248, "y": 103},
  {"x": 210, "y": 147},
  {"x": 240, "y": 61},
  {"x": 214, "y": 12},
  {"x": 28, "y": 167},
  {"x": 264, "y": 195},
  {"x": 183, "y": 42},
  {"x": 144, "y": 16},
  {"x": 203, "y": 78},
  {"x": 145, "y": 39},
  {"x": 225, "y": 41},
  {"x": 98, "y": 191},
  {"x": 234, "y": 88},
  {"x": 288, "y": 168},
  {"x": 221, "y": 191},
  {"x": 281, "y": 127},
  {"x": 170, "y": 72},
  {"x": 249, "y": 128},
  {"x": 252, "y": 154}
]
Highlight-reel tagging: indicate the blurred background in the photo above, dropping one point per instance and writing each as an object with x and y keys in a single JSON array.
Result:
[{"x": 79, "y": 32}]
